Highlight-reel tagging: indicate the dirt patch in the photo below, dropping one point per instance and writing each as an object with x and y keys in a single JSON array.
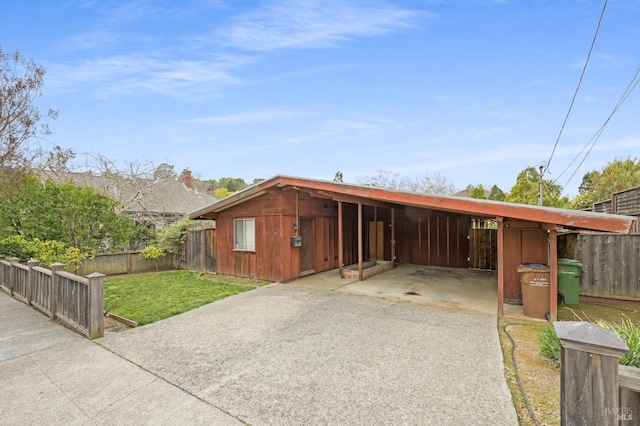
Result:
[{"x": 113, "y": 326}]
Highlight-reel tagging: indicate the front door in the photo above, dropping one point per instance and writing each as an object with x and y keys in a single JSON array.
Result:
[{"x": 306, "y": 251}]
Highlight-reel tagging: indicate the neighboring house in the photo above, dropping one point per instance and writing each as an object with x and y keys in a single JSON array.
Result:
[
  {"x": 155, "y": 203},
  {"x": 286, "y": 227}
]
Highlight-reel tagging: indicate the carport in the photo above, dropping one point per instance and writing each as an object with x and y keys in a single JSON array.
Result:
[{"x": 287, "y": 227}]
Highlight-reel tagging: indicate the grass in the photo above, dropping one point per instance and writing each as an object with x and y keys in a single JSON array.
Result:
[
  {"x": 151, "y": 297},
  {"x": 539, "y": 379}
]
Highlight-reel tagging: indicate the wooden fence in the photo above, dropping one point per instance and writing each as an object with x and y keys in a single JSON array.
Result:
[
  {"x": 483, "y": 249},
  {"x": 200, "y": 250},
  {"x": 74, "y": 300},
  {"x": 611, "y": 263},
  {"x": 123, "y": 263}
]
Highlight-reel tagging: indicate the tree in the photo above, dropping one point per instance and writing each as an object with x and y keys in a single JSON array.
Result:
[
  {"x": 80, "y": 217},
  {"x": 222, "y": 193},
  {"x": 171, "y": 239},
  {"x": 165, "y": 171},
  {"x": 21, "y": 82},
  {"x": 497, "y": 194},
  {"x": 617, "y": 175},
  {"x": 432, "y": 184},
  {"x": 478, "y": 192},
  {"x": 527, "y": 188}
]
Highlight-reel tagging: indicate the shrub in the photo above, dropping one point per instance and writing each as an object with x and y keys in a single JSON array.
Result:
[
  {"x": 628, "y": 332},
  {"x": 550, "y": 345},
  {"x": 630, "y": 335},
  {"x": 153, "y": 253},
  {"x": 47, "y": 252}
]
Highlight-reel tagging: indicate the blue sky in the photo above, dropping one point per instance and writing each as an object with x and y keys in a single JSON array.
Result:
[{"x": 473, "y": 90}]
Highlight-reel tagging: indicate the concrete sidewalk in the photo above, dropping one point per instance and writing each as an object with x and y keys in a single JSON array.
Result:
[{"x": 50, "y": 375}]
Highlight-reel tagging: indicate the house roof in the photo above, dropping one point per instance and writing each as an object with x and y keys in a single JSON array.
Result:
[
  {"x": 469, "y": 206},
  {"x": 161, "y": 196}
]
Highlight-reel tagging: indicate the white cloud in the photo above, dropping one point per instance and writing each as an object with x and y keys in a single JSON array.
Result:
[
  {"x": 135, "y": 74},
  {"x": 261, "y": 116},
  {"x": 311, "y": 24}
]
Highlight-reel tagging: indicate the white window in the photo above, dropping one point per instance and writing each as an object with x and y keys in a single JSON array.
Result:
[{"x": 244, "y": 234}]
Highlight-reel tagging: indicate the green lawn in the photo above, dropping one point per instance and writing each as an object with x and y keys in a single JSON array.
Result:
[{"x": 151, "y": 297}]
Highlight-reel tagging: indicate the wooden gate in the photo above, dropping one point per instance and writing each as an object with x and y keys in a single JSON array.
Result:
[
  {"x": 201, "y": 250},
  {"x": 483, "y": 248}
]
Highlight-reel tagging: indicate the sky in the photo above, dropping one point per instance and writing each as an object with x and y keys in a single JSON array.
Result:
[{"x": 474, "y": 90}]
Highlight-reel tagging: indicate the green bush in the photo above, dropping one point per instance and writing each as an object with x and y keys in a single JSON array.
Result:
[
  {"x": 47, "y": 252},
  {"x": 550, "y": 345},
  {"x": 629, "y": 333},
  {"x": 153, "y": 253}
]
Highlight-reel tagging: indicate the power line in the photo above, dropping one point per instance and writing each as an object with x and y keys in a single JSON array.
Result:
[
  {"x": 575, "y": 94},
  {"x": 633, "y": 83}
]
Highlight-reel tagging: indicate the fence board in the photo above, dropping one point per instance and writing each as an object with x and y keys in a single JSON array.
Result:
[
  {"x": 200, "y": 250},
  {"x": 611, "y": 265}
]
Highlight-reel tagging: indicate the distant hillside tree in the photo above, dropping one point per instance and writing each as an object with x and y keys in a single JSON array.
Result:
[
  {"x": 497, "y": 194},
  {"x": 478, "y": 192}
]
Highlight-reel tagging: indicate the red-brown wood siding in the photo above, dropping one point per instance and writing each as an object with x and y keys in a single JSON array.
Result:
[
  {"x": 524, "y": 243},
  {"x": 275, "y": 215},
  {"x": 425, "y": 237}
]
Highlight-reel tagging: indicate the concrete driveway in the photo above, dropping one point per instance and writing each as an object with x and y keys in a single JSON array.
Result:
[{"x": 290, "y": 354}]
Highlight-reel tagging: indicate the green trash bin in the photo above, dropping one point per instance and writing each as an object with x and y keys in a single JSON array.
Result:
[{"x": 569, "y": 281}]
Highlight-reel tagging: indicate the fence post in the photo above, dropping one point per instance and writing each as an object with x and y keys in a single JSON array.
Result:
[
  {"x": 30, "y": 280},
  {"x": 589, "y": 374},
  {"x": 53, "y": 293},
  {"x": 12, "y": 274},
  {"x": 96, "y": 305}
]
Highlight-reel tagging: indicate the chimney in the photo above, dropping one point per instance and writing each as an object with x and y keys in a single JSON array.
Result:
[{"x": 185, "y": 178}]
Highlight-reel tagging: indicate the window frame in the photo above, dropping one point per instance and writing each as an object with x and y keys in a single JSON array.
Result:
[{"x": 244, "y": 245}]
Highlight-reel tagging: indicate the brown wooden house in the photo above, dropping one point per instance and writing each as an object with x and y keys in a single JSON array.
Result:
[{"x": 286, "y": 227}]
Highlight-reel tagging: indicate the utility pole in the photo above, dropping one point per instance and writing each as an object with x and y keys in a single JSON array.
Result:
[{"x": 540, "y": 193}]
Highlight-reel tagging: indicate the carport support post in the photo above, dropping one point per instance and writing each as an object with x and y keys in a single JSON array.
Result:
[
  {"x": 393, "y": 235},
  {"x": 360, "y": 242},
  {"x": 340, "y": 242},
  {"x": 553, "y": 279},
  {"x": 500, "y": 221}
]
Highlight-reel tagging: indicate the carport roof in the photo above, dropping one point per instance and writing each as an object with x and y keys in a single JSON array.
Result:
[{"x": 369, "y": 195}]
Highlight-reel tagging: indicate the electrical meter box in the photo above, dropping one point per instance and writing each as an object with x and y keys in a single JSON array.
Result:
[{"x": 296, "y": 241}]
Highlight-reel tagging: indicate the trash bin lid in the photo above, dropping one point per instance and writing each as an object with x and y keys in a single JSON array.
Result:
[
  {"x": 569, "y": 262},
  {"x": 533, "y": 267}
]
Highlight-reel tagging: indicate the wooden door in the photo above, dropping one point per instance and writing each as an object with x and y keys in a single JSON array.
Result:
[
  {"x": 306, "y": 251},
  {"x": 376, "y": 240}
]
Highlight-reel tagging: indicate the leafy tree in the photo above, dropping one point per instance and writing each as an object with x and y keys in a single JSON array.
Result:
[
  {"x": 165, "y": 171},
  {"x": 21, "y": 82},
  {"x": 478, "y": 192},
  {"x": 172, "y": 239},
  {"x": 222, "y": 193},
  {"x": 617, "y": 175},
  {"x": 80, "y": 217},
  {"x": 497, "y": 194},
  {"x": 527, "y": 188}
]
